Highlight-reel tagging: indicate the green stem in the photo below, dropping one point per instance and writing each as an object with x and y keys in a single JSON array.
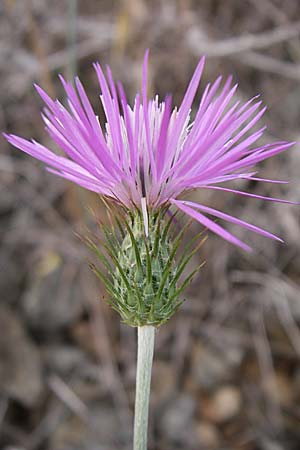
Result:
[{"x": 146, "y": 335}]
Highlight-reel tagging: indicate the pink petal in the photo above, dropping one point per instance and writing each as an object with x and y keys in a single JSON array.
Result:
[
  {"x": 228, "y": 218},
  {"x": 248, "y": 194},
  {"x": 210, "y": 225}
]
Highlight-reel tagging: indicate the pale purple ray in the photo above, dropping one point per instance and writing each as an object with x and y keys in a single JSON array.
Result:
[
  {"x": 65, "y": 125},
  {"x": 117, "y": 114},
  {"x": 249, "y": 194},
  {"x": 78, "y": 179},
  {"x": 146, "y": 120},
  {"x": 222, "y": 133},
  {"x": 59, "y": 162},
  {"x": 184, "y": 109},
  {"x": 257, "y": 155},
  {"x": 133, "y": 150},
  {"x": 162, "y": 139},
  {"x": 110, "y": 112},
  {"x": 211, "y": 225},
  {"x": 267, "y": 180},
  {"x": 214, "y": 112},
  {"x": 240, "y": 158},
  {"x": 93, "y": 120},
  {"x": 205, "y": 100},
  {"x": 232, "y": 219},
  {"x": 195, "y": 156}
]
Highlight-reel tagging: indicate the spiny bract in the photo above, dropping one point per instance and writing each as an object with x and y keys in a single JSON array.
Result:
[{"x": 145, "y": 275}]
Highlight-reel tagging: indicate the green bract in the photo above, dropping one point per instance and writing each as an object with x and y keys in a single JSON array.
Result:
[{"x": 143, "y": 281}]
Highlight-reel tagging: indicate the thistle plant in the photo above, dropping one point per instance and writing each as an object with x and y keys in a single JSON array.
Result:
[{"x": 145, "y": 160}]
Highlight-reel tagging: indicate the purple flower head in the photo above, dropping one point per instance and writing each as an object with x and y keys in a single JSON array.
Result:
[{"x": 150, "y": 154}]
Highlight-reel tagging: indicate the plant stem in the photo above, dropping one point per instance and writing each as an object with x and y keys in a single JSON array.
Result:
[
  {"x": 146, "y": 335},
  {"x": 71, "y": 38}
]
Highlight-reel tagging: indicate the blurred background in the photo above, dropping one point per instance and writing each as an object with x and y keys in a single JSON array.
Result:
[{"x": 226, "y": 374}]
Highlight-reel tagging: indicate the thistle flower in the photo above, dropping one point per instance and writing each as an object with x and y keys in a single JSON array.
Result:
[
  {"x": 150, "y": 154},
  {"x": 145, "y": 159}
]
